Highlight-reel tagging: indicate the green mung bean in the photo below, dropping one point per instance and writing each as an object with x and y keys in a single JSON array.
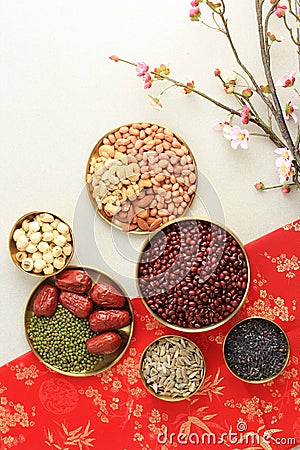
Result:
[{"x": 60, "y": 340}]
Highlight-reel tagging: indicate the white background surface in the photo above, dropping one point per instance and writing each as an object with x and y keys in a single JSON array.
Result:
[{"x": 60, "y": 94}]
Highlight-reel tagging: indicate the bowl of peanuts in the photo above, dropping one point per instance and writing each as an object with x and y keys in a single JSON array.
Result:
[{"x": 140, "y": 176}]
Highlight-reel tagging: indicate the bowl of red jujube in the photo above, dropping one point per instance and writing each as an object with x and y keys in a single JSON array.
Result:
[
  {"x": 79, "y": 322},
  {"x": 193, "y": 274}
]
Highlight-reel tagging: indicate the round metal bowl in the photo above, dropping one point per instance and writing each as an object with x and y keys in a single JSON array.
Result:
[
  {"x": 155, "y": 313},
  {"x": 143, "y": 367},
  {"x": 266, "y": 360},
  {"x": 126, "y": 332},
  {"x": 13, "y": 248},
  {"x": 123, "y": 226}
]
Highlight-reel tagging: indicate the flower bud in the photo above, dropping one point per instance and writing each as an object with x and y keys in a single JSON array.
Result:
[
  {"x": 217, "y": 72},
  {"x": 114, "y": 58},
  {"x": 195, "y": 14},
  {"x": 229, "y": 89},
  {"x": 272, "y": 37},
  {"x": 259, "y": 186},
  {"x": 285, "y": 189},
  {"x": 247, "y": 93},
  {"x": 265, "y": 89},
  {"x": 161, "y": 70},
  {"x": 190, "y": 84}
]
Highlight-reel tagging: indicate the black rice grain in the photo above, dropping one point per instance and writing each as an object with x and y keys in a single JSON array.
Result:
[{"x": 256, "y": 349}]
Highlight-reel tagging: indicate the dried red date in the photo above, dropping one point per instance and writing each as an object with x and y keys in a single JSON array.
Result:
[
  {"x": 108, "y": 320},
  {"x": 105, "y": 343},
  {"x": 106, "y": 296},
  {"x": 77, "y": 281},
  {"x": 45, "y": 303},
  {"x": 80, "y": 305}
]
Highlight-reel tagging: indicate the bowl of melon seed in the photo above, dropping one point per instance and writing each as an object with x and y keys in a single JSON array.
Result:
[{"x": 78, "y": 322}]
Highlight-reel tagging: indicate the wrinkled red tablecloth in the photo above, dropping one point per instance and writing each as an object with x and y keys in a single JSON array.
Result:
[{"x": 40, "y": 409}]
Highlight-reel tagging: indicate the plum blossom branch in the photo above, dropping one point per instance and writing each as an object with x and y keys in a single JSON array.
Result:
[
  {"x": 255, "y": 120},
  {"x": 280, "y": 122}
]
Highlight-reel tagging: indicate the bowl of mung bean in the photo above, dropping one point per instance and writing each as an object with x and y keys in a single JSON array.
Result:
[
  {"x": 256, "y": 350},
  {"x": 193, "y": 274},
  {"x": 172, "y": 368},
  {"x": 140, "y": 176},
  {"x": 79, "y": 322}
]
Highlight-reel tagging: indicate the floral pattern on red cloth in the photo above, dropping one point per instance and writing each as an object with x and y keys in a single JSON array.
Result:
[{"x": 41, "y": 409}]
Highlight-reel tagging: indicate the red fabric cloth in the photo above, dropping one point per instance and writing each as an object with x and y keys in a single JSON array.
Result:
[{"x": 40, "y": 409}]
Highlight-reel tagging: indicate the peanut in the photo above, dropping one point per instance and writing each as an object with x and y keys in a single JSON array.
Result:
[{"x": 164, "y": 166}]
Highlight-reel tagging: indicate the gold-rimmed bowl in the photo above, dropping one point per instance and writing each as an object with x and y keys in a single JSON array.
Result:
[
  {"x": 130, "y": 223},
  {"x": 245, "y": 355},
  {"x": 172, "y": 368},
  {"x": 19, "y": 254},
  {"x": 155, "y": 303},
  {"x": 103, "y": 362}
]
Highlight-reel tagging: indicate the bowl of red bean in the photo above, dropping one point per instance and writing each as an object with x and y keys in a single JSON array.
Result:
[
  {"x": 193, "y": 274},
  {"x": 140, "y": 176}
]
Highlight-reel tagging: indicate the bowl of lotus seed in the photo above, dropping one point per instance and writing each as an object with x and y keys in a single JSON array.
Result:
[
  {"x": 41, "y": 244},
  {"x": 172, "y": 368}
]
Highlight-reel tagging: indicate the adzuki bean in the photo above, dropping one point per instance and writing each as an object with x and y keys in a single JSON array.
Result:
[{"x": 193, "y": 274}]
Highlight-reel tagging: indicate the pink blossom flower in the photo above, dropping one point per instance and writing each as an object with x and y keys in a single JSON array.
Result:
[
  {"x": 238, "y": 137},
  {"x": 245, "y": 114},
  {"x": 287, "y": 79},
  {"x": 141, "y": 69},
  {"x": 147, "y": 81},
  {"x": 155, "y": 102},
  {"x": 259, "y": 186},
  {"x": 233, "y": 134},
  {"x": 284, "y": 153},
  {"x": 219, "y": 126},
  {"x": 290, "y": 111},
  {"x": 114, "y": 58},
  {"x": 227, "y": 131},
  {"x": 280, "y": 10},
  {"x": 284, "y": 164}
]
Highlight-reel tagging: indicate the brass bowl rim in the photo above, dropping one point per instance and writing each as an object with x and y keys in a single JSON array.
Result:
[
  {"x": 265, "y": 380},
  {"x": 170, "y": 399},
  {"x": 92, "y": 200},
  {"x": 11, "y": 242},
  {"x": 84, "y": 373},
  {"x": 211, "y": 326}
]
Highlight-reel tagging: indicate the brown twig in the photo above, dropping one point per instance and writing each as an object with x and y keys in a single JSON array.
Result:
[
  {"x": 278, "y": 111},
  {"x": 267, "y": 18},
  {"x": 242, "y": 65}
]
